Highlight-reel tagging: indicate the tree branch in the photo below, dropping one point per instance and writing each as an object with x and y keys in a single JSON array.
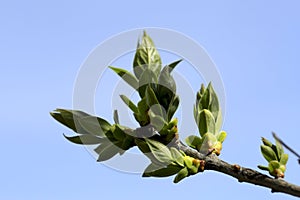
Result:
[{"x": 242, "y": 174}]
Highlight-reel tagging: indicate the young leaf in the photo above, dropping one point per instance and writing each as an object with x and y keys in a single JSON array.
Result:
[
  {"x": 273, "y": 165},
  {"x": 206, "y": 122},
  {"x": 172, "y": 107},
  {"x": 129, "y": 103},
  {"x": 150, "y": 96},
  {"x": 263, "y": 167},
  {"x": 159, "y": 171},
  {"x": 268, "y": 153},
  {"x": 284, "y": 159},
  {"x": 173, "y": 65},
  {"x": 81, "y": 122},
  {"x": 214, "y": 106},
  {"x": 146, "y": 56},
  {"x": 222, "y": 136},
  {"x": 84, "y": 139},
  {"x": 128, "y": 142},
  {"x": 147, "y": 78},
  {"x": 160, "y": 151},
  {"x": 142, "y": 116},
  {"x": 166, "y": 88},
  {"x": 118, "y": 133},
  {"x": 193, "y": 141},
  {"x": 157, "y": 121},
  {"x": 279, "y": 149},
  {"x": 107, "y": 150},
  {"x": 209, "y": 143},
  {"x": 69, "y": 118},
  {"x": 116, "y": 117},
  {"x": 183, "y": 173},
  {"x": 93, "y": 125},
  {"x": 205, "y": 100},
  {"x": 177, "y": 156},
  {"x": 126, "y": 76},
  {"x": 266, "y": 142},
  {"x": 188, "y": 161}
]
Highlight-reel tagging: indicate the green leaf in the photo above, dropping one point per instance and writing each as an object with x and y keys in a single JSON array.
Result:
[
  {"x": 166, "y": 88},
  {"x": 128, "y": 142},
  {"x": 146, "y": 56},
  {"x": 143, "y": 146},
  {"x": 172, "y": 107},
  {"x": 222, "y": 136},
  {"x": 284, "y": 159},
  {"x": 116, "y": 117},
  {"x": 206, "y": 122},
  {"x": 266, "y": 142},
  {"x": 219, "y": 121},
  {"x": 150, "y": 97},
  {"x": 214, "y": 106},
  {"x": 129, "y": 103},
  {"x": 160, "y": 152},
  {"x": 209, "y": 141},
  {"x": 81, "y": 122},
  {"x": 181, "y": 175},
  {"x": 84, "y": 139},
  {"x": 205, "y": 100},
  {"x": 188, "y": 161},
  {"x": 193, "y": 141},
  {"x": 263, "y": 167},
  {"x": 173, "y": 65},
  {"x": 126, "y": 76},
  {"x": 157, "y": 121},
  {"x": 177, "y": 156},
  {"x": 273, "y": 165},
  {"x": 147, "y": 78},
  {"x": 107, "y": 150},
  {"x": 196, "y": 113},
  {"x": 268, "y": 153},
  {"x": 159, "y": 171},
  {"x": 142, "y": 116},
  {"x": 118, "y": 133},
  {"x": 93, "y": 125},
  {"x": 279, "y": 149},
  {"x": 69, "y": 118}
]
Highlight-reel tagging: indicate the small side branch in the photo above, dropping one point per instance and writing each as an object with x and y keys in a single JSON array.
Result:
[{"x": 243, "y": 174}]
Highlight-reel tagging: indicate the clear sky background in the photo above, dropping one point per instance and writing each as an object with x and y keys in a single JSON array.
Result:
[{"x": 254, "y": 44}]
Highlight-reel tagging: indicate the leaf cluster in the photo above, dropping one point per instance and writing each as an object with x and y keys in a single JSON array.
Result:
[
  {"x": 277, "y": 159},
  {"x": 91, "y": 130},
  {"x": 208, "y": 117}
]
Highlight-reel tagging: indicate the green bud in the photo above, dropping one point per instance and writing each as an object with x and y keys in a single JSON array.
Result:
[
  {"x": 222, "y": 136},
  {"x": 193, "y": 170},
  {"x": 284, "y": 159},
  {"x": 217, "y": 148},
  {"x": 188, "y": 161},
  {"x": 206, "y": 122},
  {"x": 276, "y": 170},
  {"x": 266, "y": 142},
  {"x": 209, "y": 143},
  {"x": 172, "y": 123},
  {"x": 268, "y": 153},
  {"x": 181, "y": 175},
  {"x": 193, "y": 141}
]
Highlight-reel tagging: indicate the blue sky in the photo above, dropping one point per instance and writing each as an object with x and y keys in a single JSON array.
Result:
[{"x": 254, "y": 44}]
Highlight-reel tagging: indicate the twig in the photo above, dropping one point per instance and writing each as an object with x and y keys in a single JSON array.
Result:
[
  {"x": 243, "y": 174},
  {"x": 286, "y": 146}
]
